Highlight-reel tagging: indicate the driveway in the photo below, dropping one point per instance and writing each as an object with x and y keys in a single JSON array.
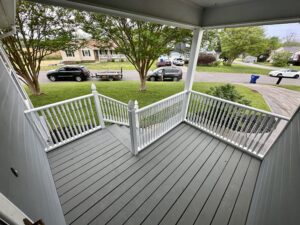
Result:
[{"x": 281, "y": 101}]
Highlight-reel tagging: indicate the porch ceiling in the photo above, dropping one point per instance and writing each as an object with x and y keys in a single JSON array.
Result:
[{"x": 194, "y": 13}]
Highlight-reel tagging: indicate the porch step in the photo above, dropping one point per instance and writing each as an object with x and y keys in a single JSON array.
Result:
[{"x": 122, "y": 133}]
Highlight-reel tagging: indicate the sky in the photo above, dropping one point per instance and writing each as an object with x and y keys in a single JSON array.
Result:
[{"x": 283, "y": 30}]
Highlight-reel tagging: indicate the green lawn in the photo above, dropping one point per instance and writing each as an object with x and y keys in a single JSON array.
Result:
[
  {"x": 127, "y": 90},
  {"x": 291, "y": 87},
  {"x": 98, "y": 66},
  {"x": 233, "y": 69},
  {"x": 270, "y": 64}
]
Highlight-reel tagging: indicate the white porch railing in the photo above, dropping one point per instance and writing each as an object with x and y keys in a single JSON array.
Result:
[
  {"x": 245, "y": 127},
  {"x": 68, "y": 120},
  {"x": 153, "y": 121},
  {"x": 249, "y": 129},
  {"x": 113, "y": 111}
]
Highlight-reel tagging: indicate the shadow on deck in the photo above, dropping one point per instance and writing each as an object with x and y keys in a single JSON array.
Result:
[{"x": 186, "y": 177}]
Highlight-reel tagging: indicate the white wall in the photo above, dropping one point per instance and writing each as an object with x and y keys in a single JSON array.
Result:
[{"x": 33, "y": 191}]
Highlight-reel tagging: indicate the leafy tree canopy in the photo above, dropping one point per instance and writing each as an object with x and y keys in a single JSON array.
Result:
[
  {"x": 141, "y": 42},
  {"x": 236, "y": 41},
  {"x": 40, "y": 31}
]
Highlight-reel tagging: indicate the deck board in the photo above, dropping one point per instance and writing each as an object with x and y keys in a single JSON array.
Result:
[{"x": 185, "y": 177}]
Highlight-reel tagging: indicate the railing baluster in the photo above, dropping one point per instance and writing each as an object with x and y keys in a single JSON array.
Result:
[
  {"x": 88, "y": 114},
  {"x": 212, "y": 113},
  {"x": 230, "y": 118},
  {"x": 54, "y": 125},
  {"x": 201, "y": 110},
  {"x": 265, "y": 127},
  {"x": 245, "y": 119},
  {"x": 68, "y": 121},
  {"x": 270, "y": 133},
  {"x": 49, "y": 127},
  {"x": 83, "y": 115},
  {"x": 59, "y": 125},
  {"x": 79, "y": 116},
  {"x": 63, "y": 121},
  {"x": 92, "y": 112},
  {"x": 77, "y": 131},
  {"x": 235, "y": 124},
  {"x": 221, "y": 109}
]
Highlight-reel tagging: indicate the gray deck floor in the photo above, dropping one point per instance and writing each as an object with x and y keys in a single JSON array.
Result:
[{"x": 186, "y": 177}]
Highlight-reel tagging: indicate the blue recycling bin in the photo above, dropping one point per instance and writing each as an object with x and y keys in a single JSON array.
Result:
[{"x": 253, "y": 79}]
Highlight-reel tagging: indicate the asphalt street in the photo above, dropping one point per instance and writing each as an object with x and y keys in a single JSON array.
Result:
[{"x": 204, "y": 77}]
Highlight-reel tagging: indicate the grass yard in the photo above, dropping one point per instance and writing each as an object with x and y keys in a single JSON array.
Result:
[
  {"x": 233, "y": 69},
  {"x": 128, "y": 90},
  {"x": 290, "y": 87},
  {"x": 270, "y": 64},
  {"x": 95, "y": 66}
]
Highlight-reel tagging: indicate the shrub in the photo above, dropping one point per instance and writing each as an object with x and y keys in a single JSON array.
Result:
[
  {"x": 112, "y": 60},
  {"x": 228, "y": 92},
  {"x": 281, "y": 59},
  {"x": 206, "y": 59},
  {"x": 216, "y": 63},
  {"x": 122, "y": 60}
]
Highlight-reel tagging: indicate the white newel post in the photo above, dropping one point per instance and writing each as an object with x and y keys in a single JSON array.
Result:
[
  {"x": 195, "y": 48},
  {"x": 133, "y": 125},
  {"x": 98, "y": 106}
]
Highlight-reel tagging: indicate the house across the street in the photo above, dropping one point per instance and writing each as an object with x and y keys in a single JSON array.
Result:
[
  {"x": 92, "y": 51},
  {"x": 293, "y": 50}
]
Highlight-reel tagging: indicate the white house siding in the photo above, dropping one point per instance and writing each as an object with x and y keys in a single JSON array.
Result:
[
  {"x": 33, "y": 191},
  {"x": 276, "y": 199}
]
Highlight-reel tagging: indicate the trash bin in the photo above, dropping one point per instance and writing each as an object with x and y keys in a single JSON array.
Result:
[{"x": 253, "y": 79}]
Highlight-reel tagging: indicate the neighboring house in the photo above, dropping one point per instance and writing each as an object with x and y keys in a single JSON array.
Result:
[
  {"x": 250, "y": 59},
  {"x": 92, "y": 52},
  {"x": 294, "y": 50}
]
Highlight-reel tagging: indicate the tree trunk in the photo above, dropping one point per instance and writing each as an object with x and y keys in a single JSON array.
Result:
[
  {"x": 143, "y": 79},
  {"x": 230, "y": 61},
  {"x": 34, "y": 87}
]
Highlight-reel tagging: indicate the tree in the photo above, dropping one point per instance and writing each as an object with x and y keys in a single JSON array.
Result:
[
  {"x": 41, "y": 30},
  {"x": 211, "y": 40},
  {"x": 141, "y": 42},
  {"x": 273, "y": 43},
  {"x": 236, "y": 41},
  {"x": 281, "y": 59}
]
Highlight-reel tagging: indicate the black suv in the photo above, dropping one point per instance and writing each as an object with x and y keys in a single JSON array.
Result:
[
  {"x": 78, "y": 73},
  {"x": 165, "y": 73}
]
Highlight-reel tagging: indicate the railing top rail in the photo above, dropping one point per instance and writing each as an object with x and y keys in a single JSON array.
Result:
[
  {"x": 161, "y": 101},
  {"x": 58, "y": 103},
  {"x": 242, "y": 106},
  {"x": 112, "y": 99}
]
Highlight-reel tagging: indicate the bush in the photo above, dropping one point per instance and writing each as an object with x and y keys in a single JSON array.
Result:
[
  {"x": 228, "y": 92},
  {"x": 281, "y": 59},
  {"x": 216, "y": 63},
  {"x": 122, "y": 60},
  {"x": 206, "y": 59}
]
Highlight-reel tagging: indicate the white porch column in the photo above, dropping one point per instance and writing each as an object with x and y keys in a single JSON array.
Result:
[{"x": 197, "y": 38}]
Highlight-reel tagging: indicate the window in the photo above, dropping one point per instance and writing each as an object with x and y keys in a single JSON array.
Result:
[
  {"x": 70, "y": 53},
  {"x": 72, "y": 69},
  {"x": 86, "y": 53}
]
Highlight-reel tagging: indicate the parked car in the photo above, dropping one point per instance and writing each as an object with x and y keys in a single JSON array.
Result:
[
  {"x": 163, "y": 62},
  {"x": 285, "y": 73},
  {"x": 178, "y": 62},
  {"x": 73, "y": 72},
  {"x": 165, "y": 73}
]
